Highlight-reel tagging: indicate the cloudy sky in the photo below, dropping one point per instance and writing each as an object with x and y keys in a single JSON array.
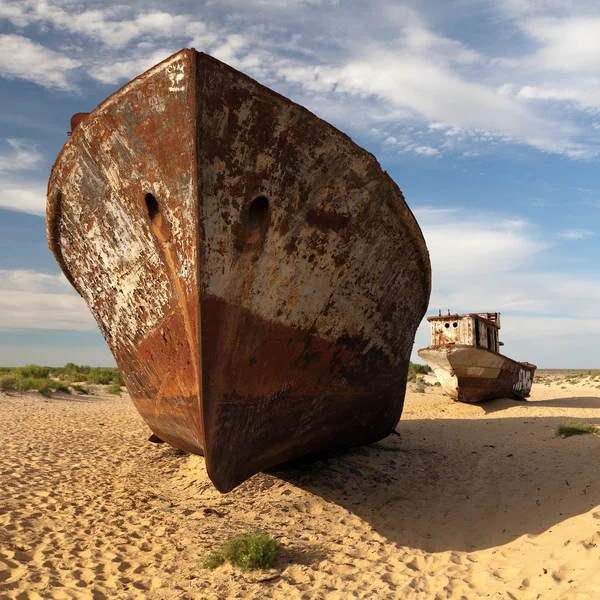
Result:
[{"x": 486, "y": 114}]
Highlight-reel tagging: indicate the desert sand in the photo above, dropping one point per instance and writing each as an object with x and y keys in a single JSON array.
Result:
[{"x": 467, "y": 502}]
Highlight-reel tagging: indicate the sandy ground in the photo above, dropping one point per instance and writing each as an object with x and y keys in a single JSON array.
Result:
[{"x": 468, "y": 502}]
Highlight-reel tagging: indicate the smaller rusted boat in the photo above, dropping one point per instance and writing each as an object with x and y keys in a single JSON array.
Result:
[{"x": 464, "y": 355}]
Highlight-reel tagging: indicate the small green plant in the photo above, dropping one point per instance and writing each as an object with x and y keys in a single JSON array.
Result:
[
  {"x": 114, "y": 389},
  {"x": 253, "y": 550},
  {"x": 575, "y": 428}
]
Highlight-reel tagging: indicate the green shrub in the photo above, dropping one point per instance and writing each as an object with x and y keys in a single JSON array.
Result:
[
  {"x": 34, "y": 371},
  {"x": 60, "y": 379},
  {"x": 27, "y": 384},
  {"x": 253, "y": 550},
  {"x": 99, "y": 376},
  {"x": 43, "y": 386},
  {"x": 418, "y": 369},
  {"x": 59, "y": 386},
  {"x": 9, "y": 382},
  {"x": 575, "y": 428},
  {"x": 71, "y": 373}
]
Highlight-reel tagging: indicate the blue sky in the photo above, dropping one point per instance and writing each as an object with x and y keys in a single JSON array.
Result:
[{"x": 486, "y": 114}]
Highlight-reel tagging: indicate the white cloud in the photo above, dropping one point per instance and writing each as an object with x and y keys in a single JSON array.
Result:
[
  {"x": 585, "y": 98},
  {"x": 576, "y": 234},
  {"x": 464, "y": 245},
  {"x": 481, "y": 262},
  {"x": 112, "y": 26},
  {"x": 22, "y": 156},
  {"x": 336, "y": 60},
  {"x": 33, "y": 300},
  {"x": 23, "y": 196},
  {"x": 427, "y": 151},
  {"x": 19, "y": 193},
  {"x": 25, "y": 59},
  {"x": 383, "y": 64},
  {"x": 569, "y": 44},
  {"x": 129, "y": 68}
]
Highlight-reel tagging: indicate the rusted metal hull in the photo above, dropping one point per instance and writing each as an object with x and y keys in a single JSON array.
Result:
[
  {"x": 469, "y": 374},
  {"x": 256, "y": 275}
]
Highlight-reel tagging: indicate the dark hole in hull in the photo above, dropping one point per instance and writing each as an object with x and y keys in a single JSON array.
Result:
[
  {"x": 152, "y": 206},
  {"x": 257, "y": 212}
]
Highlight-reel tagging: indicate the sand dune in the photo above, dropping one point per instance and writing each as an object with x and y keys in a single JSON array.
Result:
[{"x": 467, "y": 502}]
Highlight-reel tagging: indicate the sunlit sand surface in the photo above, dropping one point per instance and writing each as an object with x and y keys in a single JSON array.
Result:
[{"x": 469, "y": 501}]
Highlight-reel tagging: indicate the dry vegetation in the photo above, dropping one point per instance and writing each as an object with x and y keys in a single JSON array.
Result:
[
  {"x": 564, "y": 377},
  {"x": 69, "y": 379}
]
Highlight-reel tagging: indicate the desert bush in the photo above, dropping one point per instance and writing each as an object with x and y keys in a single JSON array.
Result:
[
  {"x": 9, "y": 382},
  {"x": 35, "y": 384},
  {"x": 104, "y": 376},
  {"x": 59, "y": 386},
  {"x": 34, "y": 371},
  {"x": 114, "y": 389},
  {"x": 80, "y": 389},
  {"x": 575, "y": 428},
  {"x": 60, "y": 379},
  {"x": 99, "y": 376},
  {"x": 41, "y": 385},
  {"x": 419, "y": 386},
  {"x": 418, "y": 369},
  {"x": 253, "y": 550}
]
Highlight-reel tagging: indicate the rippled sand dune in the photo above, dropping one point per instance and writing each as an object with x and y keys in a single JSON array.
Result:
[{"x": 467, "y": 502}]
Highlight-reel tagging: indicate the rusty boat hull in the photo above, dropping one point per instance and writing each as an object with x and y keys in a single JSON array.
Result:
[
  {"x": 257, "y": 276},
  {"x": 469, "y": 374}
]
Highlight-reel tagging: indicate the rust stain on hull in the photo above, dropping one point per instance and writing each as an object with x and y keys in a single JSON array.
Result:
[{"x": 256, "y": 275}]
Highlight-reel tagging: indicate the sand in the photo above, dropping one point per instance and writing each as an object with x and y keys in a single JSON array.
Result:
[{"x": 467, "y": 502}]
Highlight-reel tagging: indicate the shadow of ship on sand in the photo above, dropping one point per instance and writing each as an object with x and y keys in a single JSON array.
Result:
[{"x": 462, "y": 484}]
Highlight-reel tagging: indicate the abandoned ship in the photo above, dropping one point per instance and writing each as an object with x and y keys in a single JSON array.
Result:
[
  {"x": 465, "y": 357},
  {"x": 257, "y": 276}
]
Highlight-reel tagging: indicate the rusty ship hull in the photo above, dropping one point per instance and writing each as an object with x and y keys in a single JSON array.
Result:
[
  {"x": 257, "y": 276},
  {"x": 471, "y": 375}
]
